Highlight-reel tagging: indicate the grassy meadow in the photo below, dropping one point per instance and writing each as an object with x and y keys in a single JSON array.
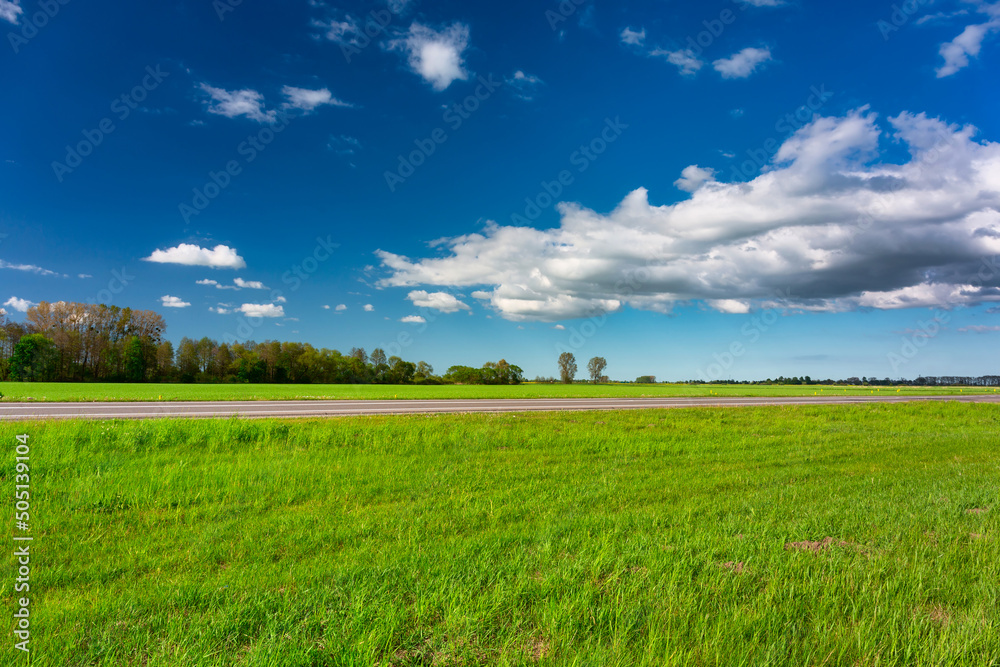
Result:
[
  {"x": 837, "y": 535},
  {"x": 69, "y": 391}
]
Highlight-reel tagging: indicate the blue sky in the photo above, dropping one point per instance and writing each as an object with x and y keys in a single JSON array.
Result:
[{"x": 715, "y": 189}]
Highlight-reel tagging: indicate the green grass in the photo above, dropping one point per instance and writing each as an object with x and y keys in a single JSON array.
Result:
[
  {"x": 593, "y": 538},
  {"x": 67, "y": 391}
]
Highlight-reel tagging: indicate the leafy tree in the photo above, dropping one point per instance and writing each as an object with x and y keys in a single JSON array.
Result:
[
  {"x": 646, "y": 379},
  {"x": 567, "y": 367},
  {"x": 34, "y": 359},
  {"x": 596, "y": 368}
]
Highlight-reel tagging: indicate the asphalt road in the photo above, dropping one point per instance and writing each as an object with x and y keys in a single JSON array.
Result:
[{"x": 207, "y": 409}]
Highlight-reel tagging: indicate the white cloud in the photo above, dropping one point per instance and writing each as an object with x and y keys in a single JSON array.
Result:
[
  {"x": 957, "y": 52},
  {"x": 435, "y": 55},
  {"x": 219, "y": 257},
  {"x": 559, "y": 327},
  {"x": 763, "y": 3},
  {"x": 307, "y": 100},
  {"x": 173, "y": 302},
  {"x": 369, "y": 308},
  {"x": 524, "y": 85},
  {"x": 10, "y": 10},
  {"x": 693, "y": 177},
  {"x": 221, "y": 310},
  {"x": 29, "y": 268},
  {"x": 233, "y": 104},
  {"x": 3, "y": 312},
  {"x": 685, "y": 60},
  {"x": 979, "y": 329},
  {"x": 829, "y": 225},
  {"x": 633, "y": 37},
  {"x": 84, "y": 276},
  {"x": 249, "y": 284},
  {"x": 326, "y": 307},
  {"x": 413, "y": 319},
  {"x": 730, "y": 305},
  {"x": 262, "y": 310},
  {"x": 742, "y": 64},
  {"x": 441, "y": 301},
  {"x": 20, "y": 305},
  {"x": 342, "y": 307}
]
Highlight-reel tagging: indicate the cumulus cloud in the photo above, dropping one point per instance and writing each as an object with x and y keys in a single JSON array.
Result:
[
  {"x": 307, "y": 100},
  {"x": 369, "y": 308},
  {"x": 441, "y": 301},
  {"x": 249, "y": 284},
  {"x": 219, "y": 257},
  {"x": 262, "y": 310},
  {"x": 30, "y": 268},
  {"x": 20, "y": 305},
  {"x": 633, "y": 37},
  {"x": 828, "y": 226},
  {"x": 342, "y": 307},
  {"x": 742, "y": 64},
  {"x": 173, "y": 302},
  {"x": 10, "y": 10},
  {"x": 235, "y": 103},
  {"x": 694, "y": 177},
  {"x": 413, "y": 319},
  {"x": 685, "y": 59},
  {"x": 221, "y": 310},
  {"x": 435, "y": 55}
]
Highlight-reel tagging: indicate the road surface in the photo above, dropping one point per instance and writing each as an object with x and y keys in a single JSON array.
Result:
[{"x": 207, "y": 409}]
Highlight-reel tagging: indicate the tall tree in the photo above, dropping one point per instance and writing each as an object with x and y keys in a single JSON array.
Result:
[
  {"x": 35, "y": 359},
  {"x": 567, "y": 367},
  {"x": 596, "y": 368}
]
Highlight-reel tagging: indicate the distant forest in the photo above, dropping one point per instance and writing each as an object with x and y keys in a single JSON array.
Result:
[{"x": 78, "y": 342}]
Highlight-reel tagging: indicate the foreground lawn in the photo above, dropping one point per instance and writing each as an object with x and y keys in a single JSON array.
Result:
[
  {"x": 848, "y": 535},
  {"x": 68, "y": 391}
]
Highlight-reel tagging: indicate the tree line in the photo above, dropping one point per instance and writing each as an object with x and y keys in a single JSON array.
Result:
[{"x": 78, "y": 342}]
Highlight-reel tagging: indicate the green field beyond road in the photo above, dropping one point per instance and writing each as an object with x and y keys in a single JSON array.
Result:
[
  {"x": 827, "y": 535},
  {"x": 67, "y": 391}
]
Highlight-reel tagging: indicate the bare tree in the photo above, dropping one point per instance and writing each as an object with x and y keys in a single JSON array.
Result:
[
  {"x": 567, "y": 367},
  {"x": 596, "y": 368}
]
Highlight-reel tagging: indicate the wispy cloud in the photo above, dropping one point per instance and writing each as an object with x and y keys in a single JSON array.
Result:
[
  {"x": 307, "y": 100},
  {"x": 742, "y": 64},
  {"x": 684, "y": 59},
  {"x": 10, "y": 10},
  {"x": 30, "y": 268},
  {"x": 236, "y": 103},
  {"x": 633, "y": 37}
]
